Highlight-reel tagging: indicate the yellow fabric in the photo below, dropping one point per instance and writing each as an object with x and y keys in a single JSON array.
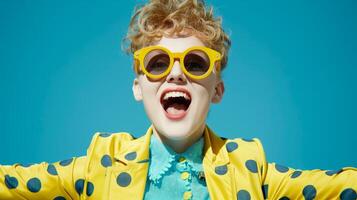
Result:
[
  {"x": 116, "y": 167},
  {"x": 187, "y": 195},
  {"x": 185, "y": 175}
]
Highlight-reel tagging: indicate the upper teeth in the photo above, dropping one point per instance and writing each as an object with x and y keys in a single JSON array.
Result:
[{"x": 176, "y": 94}]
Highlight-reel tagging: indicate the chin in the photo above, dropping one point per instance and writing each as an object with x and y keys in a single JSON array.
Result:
[
  {"x": 178, "y": 130},
  {"x": 176, "y": 136}
]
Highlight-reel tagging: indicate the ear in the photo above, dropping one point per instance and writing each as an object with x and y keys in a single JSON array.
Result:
[
  {"x": 218, "y": 93},
  {"x": 137, "y": 90}
]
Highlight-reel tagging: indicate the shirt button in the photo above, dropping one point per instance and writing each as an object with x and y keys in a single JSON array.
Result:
[
  {"x": 182, "y": 159},
  {"x": 181, "y": 167},
  {"x": 185, "y": 175},
  {"x": 187, "y": 195}
]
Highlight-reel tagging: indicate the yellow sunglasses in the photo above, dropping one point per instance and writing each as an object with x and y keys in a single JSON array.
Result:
[{"x": 196, "y": 62}]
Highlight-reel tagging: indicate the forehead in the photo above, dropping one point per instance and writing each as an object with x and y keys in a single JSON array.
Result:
[{"x": 179, "y": 44}]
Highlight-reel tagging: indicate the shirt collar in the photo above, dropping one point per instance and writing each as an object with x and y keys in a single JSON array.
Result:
[{"x": 162, "y": 158}]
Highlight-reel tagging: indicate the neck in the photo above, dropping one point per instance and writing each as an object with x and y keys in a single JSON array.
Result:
[{"x": 180, "y": 145}]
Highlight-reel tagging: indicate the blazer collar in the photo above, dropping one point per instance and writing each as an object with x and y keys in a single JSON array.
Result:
[
  {"x": 134, "y": 154},
  {"x": 137, "y": 149},
  {"x": 214, "y": 150}
]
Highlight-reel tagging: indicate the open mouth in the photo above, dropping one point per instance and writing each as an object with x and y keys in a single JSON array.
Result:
[{"x": 175, "y": 102}]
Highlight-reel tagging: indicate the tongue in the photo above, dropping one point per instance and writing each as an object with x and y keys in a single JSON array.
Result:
[{"x": 176, "y": 109}]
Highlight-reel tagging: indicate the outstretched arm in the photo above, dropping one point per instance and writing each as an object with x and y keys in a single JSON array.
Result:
[
  {"x": 285, "y": 182},
  {"x": 280, "y": 182},
  {"x": 59, "y": 181}
]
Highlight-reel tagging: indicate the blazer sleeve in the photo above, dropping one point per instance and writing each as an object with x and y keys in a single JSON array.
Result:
[
  {"x": 58, "y": 181},
  {"x": 280, "y": 182}
]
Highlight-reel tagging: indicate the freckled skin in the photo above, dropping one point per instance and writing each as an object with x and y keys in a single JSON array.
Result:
[{"x": 179, "y": 134}]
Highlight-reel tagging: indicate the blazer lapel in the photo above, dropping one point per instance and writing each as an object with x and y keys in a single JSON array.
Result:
[
  {"x": 218, "y": 172},
  {"x": 127, "y": 178}
]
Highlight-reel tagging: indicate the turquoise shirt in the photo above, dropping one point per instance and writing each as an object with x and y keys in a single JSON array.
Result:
[{"x": 175, "y": 176}]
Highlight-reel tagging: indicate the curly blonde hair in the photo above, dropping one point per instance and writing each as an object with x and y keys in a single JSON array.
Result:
[{"x": 158, "y": 18}]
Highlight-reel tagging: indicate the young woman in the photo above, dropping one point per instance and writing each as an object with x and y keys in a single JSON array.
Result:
[{"x": 179, "y": 50}]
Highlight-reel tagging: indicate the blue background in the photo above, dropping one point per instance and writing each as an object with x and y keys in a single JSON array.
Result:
[{"x": 290, "y": 81}]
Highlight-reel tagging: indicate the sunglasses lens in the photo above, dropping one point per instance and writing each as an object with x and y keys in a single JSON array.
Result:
[
  {"x": 156, "y": 62},
  {"x": 197, "y": 62}
]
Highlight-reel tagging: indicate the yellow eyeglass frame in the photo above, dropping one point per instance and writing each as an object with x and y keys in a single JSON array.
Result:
[{"x": 139, "y": 57}]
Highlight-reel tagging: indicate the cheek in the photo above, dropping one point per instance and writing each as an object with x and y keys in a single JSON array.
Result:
[
  {"x": 206, "y": 87},
  {"x": 149, "y": 89},
  {"x": 203, "y": 96}
]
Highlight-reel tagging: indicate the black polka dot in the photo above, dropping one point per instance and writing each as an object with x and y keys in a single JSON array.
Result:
[
  {"x": 90, "y": 188},
  {"x": 332, "y": 172},
  {"x": 284, "y": 198},
  {"x": 281, "y": 168},
  {"x": 221, "y": 170},
  {"x": 59, "y": 198},
  {"x": 123, "y": 179},
  {"x": 79, "y": 185},
  {"x": 106, "y": 161},
  {"x": 104, "y": 135},
  {"x": 243, "y": 195},
  {"x": 231, "y": 146},
  {"x": 265, "y": 189},
  {"x": 247, "y": 140},
  {"x": 26, "y": 165},
  {"x": 66, "y": 162},
  {"x": 296, "y": 174},
  {"x": 51, "y": 169},
  {"x": 348, "y": 194},
  {"x": 251, "y": 166},
  {"x": 11, "y": 182},
  {"x": 309, "y": 192},
  {"x": 130, "y": 156},
  {"x": 34, "y": 185}
]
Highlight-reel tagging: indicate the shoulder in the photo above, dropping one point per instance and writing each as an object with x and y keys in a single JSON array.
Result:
[
  {"x": 243, "y": 145},
  {"x": 107, "y": 136},
  {"x": 104, "y": 141},
  {"x": 242, "y": 151}
]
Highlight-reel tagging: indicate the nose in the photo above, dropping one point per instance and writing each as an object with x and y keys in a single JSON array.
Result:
[{"x": 176, "y": 74}]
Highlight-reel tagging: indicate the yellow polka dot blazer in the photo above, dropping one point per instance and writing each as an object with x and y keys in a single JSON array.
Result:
[{"x": 116, "y": 167}]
